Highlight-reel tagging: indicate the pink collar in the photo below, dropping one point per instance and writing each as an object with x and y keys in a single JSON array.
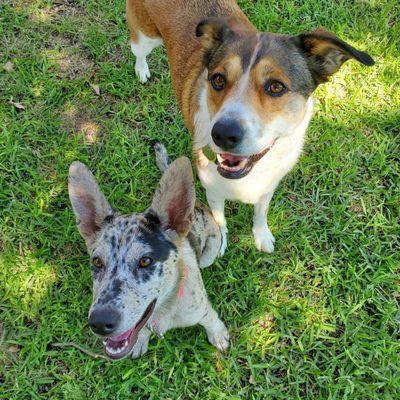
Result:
[{"x": 183, "y": 282}]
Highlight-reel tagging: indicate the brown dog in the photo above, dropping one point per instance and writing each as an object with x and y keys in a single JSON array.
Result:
[{"x": 244, "y": 94}]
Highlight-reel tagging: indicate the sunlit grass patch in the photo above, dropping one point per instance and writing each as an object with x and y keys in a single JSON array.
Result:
[{"x": 26, "y": 283}]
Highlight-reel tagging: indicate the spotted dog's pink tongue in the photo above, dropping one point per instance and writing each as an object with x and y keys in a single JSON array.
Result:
[
  {"x": 117, "y": 347},
  {"x": 122, "y": 337}
]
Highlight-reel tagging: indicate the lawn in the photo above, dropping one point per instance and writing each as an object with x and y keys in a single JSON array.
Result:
[{"x": 317, "y": 319}]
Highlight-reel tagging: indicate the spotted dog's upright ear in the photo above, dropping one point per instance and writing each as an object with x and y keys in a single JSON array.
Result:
[
  {"x": 325, "y": 53},
  {"x": 212, "y": 33},
  {"x": 90, "y": 206},
  {"x": 174, "y": 198}
]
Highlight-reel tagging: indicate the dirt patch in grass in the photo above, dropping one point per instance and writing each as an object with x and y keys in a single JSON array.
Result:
[
  {"x": 117, "y": 56},
  {"x": 70, "y": 59},
  {"x": 59, "y": 9},
  {"x": 67, "y": 8},
  {"x": 77, "y": 119}
]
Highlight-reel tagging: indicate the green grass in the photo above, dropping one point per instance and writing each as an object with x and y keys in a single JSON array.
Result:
[{"x": 318, "y": 319}]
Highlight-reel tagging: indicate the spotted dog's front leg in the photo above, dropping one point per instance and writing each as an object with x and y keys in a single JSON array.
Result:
[
  {"x": 217, "y": 333},
  {"x": 262, "y": 235},
  {"x": 217, "y": 206},
  {"x": 142, "y": 343}
]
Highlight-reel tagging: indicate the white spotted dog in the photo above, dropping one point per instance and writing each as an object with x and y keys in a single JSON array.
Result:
[
  {"x": 245, "y": 95},
  {"x": 145, "y": 267}
]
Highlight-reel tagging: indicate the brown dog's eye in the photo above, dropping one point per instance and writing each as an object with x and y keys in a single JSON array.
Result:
[
  {"x": 275, "y": 88},
  {"x": 145, "y": 262},
  {"x": 218, "y": 82},
  {"x": 97, "y": 262}
]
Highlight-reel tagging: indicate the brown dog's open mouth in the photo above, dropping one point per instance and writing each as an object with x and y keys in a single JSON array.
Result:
[
  {"x": 117, "y": 347},
  {"x": 235, "y": 167}
]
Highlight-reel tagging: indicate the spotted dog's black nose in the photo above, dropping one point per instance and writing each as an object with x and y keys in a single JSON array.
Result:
[
  {"x": 104, "y": 321},
  {"x": 227, "y": 133}
]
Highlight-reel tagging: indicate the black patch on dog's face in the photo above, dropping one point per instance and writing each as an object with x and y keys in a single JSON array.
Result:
[
  {"x": 244, "y": 48},
  {"x": 151, "y": 234},
  {"x": 109, "y": 219},
  {"x": 116, "y": 287},
  {"x": 113, "y": 242},
  {"x": 152, "y": 220},
  {"x": 112, "y": 292},
  {"x": 146, "y": 274},
  {"x": 237, "y": 45}
]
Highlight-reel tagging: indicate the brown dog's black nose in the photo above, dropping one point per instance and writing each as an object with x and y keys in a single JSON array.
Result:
[
  {"x": 227, "y": 133},
  {"x": 104, "y": 321}
]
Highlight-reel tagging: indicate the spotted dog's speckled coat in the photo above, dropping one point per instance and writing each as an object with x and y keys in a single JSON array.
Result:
[
  {"x": 145, "y": 267},
  {"x": 244, "y": 94}
]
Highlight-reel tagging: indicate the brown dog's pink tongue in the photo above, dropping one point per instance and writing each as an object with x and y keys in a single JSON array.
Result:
[{"x": 231, "y": 157}]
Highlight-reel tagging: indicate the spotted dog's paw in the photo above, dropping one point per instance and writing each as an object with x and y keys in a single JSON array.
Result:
[
  {"x": 141, "y": 345},
  {"x": 220, "y": 338},
  {"x": 264, "y": 240}
]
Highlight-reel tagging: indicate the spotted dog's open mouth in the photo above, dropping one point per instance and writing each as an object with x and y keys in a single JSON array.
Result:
[
  {"x": 235, "y": 167},
  {"x": 117, "y": 347}
]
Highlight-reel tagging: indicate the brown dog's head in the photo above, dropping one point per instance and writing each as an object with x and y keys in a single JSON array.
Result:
[{"x": 259, "y": 85}]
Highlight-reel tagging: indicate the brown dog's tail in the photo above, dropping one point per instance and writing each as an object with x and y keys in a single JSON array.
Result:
[{"x": 162, "y": 158}]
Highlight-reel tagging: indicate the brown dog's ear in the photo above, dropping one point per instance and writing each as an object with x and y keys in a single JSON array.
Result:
[
  {"x": 88, "y": 202},
  {"x": 212, "y": 32},
  {"x": 325, "y": 53},
  {"x": 174, "y": 198}
]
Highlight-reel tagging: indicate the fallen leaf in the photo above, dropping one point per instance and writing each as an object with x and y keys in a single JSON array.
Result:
[
  {"x": 8, "y": 66},
  {"x": 17, "y": 105},
  {"x": 96, "y": 89},
  {"x": 13, "y": 349},
  {"x": 235, "y": 239},
  {"x": 20, "y": 250},
  {"x": 218, "y": 365},
  {"x": 252, "y": 381}
]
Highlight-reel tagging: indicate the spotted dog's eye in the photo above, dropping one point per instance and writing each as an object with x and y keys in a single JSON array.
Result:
[
  {"x": 96, "y": 261},
  {"x": 218, "y": 82},
  {"x": 145, "y": 262},
  {"x": 275, "y": 88}
]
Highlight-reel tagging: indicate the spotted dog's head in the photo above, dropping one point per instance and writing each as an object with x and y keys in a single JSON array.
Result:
[
  {"x": 134, "y": 258},
  {"x": 258, "y": 87}
]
